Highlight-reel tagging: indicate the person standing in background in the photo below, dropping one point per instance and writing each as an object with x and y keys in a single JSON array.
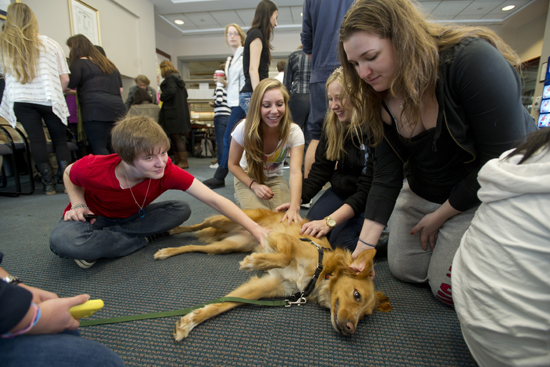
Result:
[
  {"x": 174, "y": 114},
  {"x": 142, "y": 105},
  {"x": 99, "y": 88},
  {"x": 281, "y": 69},
  {"x": 142, "y": 82},
  {"x": 296, "y": 81},
  {"x": 255, "y": 67},
  {"x": 320, "y": 25},
  {"x": 36, "y": 74},
  {"x": 221, "y": 112}
]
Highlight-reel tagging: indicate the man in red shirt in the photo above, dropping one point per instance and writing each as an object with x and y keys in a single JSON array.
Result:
[{"x": 119, "y": 189}]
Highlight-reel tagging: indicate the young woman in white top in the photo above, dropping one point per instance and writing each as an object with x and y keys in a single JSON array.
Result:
[
  {"x": 235, "y": 81},
  {"x": 36, "y": 73},
  {"x": 265, "y": 137}
]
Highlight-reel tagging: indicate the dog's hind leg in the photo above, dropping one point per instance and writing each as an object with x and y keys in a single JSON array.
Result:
[
  {"x": 256, "y": 288},
  {"x": 241, "y": 242},
  {"x": 217, "y": 221}
]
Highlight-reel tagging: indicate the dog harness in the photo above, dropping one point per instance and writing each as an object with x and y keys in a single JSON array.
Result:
[{"x": 300, "y": 298}]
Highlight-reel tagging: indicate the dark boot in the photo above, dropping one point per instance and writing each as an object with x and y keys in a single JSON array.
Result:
[
  {"x": 60, "y": 172},
  {"x": 45, "y": 170},
  {"x": 218, "y": 181},
  {"x": 181, "y": 160}
]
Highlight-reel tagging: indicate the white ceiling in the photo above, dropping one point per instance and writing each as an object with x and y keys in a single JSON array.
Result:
[{"x": 211, "y": 16}]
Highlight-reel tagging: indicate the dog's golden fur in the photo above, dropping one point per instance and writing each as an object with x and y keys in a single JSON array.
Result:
[{"x": 289, "y": 264}]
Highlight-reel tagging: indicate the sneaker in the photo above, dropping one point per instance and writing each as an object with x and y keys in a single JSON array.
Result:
[
  {"x": 213, "y": 183},
  {"x": 156, "y": 236},
  {"x": 306, "y": 205},
  {"x": 85, "y": 264},
  {"x": 214, "y": 166}
]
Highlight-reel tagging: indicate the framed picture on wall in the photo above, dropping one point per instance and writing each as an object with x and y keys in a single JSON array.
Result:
[
  {"x": 4, "y": 7},
  {"x": 84, "y": 20}
]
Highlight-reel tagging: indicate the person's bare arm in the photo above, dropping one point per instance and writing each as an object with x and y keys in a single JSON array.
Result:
[{"x": 254, "y": 65}]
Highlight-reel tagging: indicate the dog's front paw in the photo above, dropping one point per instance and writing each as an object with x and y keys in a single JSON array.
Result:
[
  {"x": 183, "y": 328},
  {"x": 163, "y": 254},
  {"x": 247, "y": 263}
]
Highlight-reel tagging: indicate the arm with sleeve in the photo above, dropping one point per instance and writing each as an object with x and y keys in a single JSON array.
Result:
[
  {"x": 485, "y": 91},
  {"x": 14, "y": 304},
  {"x": 320, "y": 173}
]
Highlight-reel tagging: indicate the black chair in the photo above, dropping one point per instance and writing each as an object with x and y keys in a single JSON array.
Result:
[{"x": 12, "y": 149}]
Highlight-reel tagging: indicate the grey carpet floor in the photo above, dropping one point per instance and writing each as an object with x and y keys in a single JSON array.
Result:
[{"x": 419, "y": 330}]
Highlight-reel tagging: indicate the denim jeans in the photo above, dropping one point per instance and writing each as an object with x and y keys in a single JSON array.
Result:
[
  {"x": 346, "y": 234},
  {"x": 49, "y": 350},
  {"x": 99, "y": 136},
  {"x": 30, "y": 115},
  {"x": 244, "y": 101},
  {"x": 220, "y": 123},
  {"x": 237, "y": 114},
  {"x": 116, "y": 237}
]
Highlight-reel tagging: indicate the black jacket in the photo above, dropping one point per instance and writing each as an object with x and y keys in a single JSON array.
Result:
[
  {"x": 350, "y": 179},
  {"x": 479, "y": 96},
  {"x": 174, "y": 115}
]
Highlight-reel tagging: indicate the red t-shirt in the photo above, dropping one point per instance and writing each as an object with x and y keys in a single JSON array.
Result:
[{"x": 105, "y": 197}]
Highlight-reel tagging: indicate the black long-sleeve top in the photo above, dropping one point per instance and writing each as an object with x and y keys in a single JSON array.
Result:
[
  {"x": 14, "y": 304},
  {"x": 480, "y": 116},
  {"x": 350, "y": 178}
]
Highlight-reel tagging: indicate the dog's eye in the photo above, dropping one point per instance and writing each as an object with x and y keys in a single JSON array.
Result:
[{"x": 357, "y": 296}]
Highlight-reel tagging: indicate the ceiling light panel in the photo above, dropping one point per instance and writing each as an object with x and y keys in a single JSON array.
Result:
[
  {"x": 448, "y": 9},
  {"x": 505, "y": 14}
]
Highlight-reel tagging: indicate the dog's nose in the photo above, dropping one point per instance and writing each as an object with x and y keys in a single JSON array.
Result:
[{"x": 350, "y": 327}]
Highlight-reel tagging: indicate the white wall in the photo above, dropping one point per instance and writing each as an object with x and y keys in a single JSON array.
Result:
[{"x": 127, "y": 32}]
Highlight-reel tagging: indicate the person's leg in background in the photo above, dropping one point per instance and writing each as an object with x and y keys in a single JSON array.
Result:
[
  {"x": 58, "y": 134},
  {"x": 317, "y": 111},
  {"x": 218, "y": 181},
  {"x": 98, "y": 134},
  {"x": 31, "y": 119},
  {"x": 180, "y": 150},
  {"x": 220, "y": 124}
]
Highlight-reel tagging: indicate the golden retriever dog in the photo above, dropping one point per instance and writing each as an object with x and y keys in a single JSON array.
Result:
[{"x": 289, "y": 264}]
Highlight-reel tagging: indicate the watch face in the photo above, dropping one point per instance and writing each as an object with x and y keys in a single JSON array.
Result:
[{"x": 330, "y": 222}]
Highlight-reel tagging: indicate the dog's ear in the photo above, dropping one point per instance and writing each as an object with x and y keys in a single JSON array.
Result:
[
  {"x": 382, "y": 302},
  {"x": 363, "y": 264}
]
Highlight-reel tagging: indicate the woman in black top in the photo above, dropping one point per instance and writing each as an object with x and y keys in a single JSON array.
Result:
[
  {"x": 174, "y": 114},
  {"x": 256, "y": 54},
  {"x": 99, "y": 88},
  {"x": 341, "y": 158},
  {"x": 439, "y": 102}
]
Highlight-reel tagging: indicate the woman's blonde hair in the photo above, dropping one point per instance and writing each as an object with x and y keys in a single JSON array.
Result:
[
  {"x": 19, "y": 43},
  {"x": 253, "y": 137},
  {"x": 336, "y": 131},
  {"x": 81, "y": 46},
  {"x": 167, "y": 68},
  {"x": 239, "y": 30},
  {"x": 416, "y": 44}
]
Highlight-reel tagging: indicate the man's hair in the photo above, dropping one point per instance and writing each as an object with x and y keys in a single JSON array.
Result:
[
  {"x": 281, "y": 65},
  {"x": 137, "y": 134},
  {"x": 143, "y": 79}
]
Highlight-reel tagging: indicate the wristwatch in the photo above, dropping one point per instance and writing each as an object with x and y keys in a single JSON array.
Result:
[
  {"x": 11, "y": 279},
  {"x": 330, "y": 222}
]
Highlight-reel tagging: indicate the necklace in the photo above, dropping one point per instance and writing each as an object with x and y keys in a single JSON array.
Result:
[{"x": 141, "y": 212}]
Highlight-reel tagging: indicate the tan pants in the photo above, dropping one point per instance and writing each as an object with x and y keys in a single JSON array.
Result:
[{"x": 248, "y": 199}]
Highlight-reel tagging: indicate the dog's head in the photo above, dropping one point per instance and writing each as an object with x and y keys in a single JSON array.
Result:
[{"x": 352, "y": 294}]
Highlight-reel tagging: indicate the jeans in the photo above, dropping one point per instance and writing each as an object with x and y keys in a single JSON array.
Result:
[
  {"x": 30, "y": 115},
  {"x": 237, "y": 114},
  {"x": 49, "y": 350},
  {"x": 116, "y": 237},
  {"x": 99, "y": 136},
  {"x": 346, "y": 234},
  {"x": 220, "y": 123},
  {"x": 244, "y": 101},
  {"x": 318, "y": 109},
  {"x": 299, "y": 109}
]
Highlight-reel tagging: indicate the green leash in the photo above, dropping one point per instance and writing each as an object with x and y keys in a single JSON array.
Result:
[{"x": 184, "y": 311}]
